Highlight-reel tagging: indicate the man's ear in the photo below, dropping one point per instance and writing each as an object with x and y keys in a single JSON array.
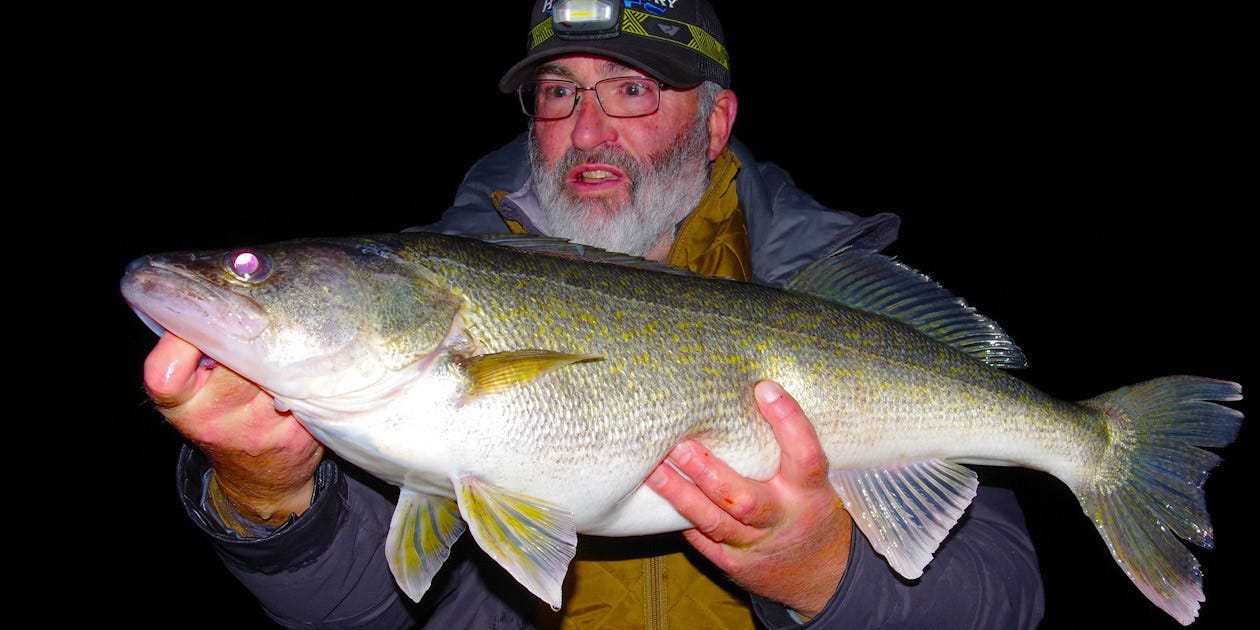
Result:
[{"x": 721, "y": 120}]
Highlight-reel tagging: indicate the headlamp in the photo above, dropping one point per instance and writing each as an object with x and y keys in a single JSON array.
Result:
[{"x": 586, "y": 19}]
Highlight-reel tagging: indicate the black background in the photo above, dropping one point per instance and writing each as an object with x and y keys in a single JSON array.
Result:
[{"x": 1086, "y": 180}]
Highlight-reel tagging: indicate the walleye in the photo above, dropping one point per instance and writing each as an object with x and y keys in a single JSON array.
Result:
[{"x": 522, "y": 389}]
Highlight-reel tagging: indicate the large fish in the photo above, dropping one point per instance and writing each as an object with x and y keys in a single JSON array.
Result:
[{"x": 523, "y": 389}]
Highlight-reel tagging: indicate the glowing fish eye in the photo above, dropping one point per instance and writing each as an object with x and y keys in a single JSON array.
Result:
[{"x": 247, "y": 265}]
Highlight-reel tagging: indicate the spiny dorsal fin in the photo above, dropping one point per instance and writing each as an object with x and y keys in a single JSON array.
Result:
[
  {"x": 564, "y": 248},
  {"x": 876, "y": 283}
]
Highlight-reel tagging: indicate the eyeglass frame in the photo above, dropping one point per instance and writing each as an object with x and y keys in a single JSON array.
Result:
[{"x": 577, "y": 96}]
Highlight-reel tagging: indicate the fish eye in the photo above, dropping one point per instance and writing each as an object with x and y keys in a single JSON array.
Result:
[{"x": 247, "y": 265}]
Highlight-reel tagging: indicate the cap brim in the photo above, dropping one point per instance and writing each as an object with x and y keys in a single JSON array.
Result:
[{"x": 666, "y": 71}]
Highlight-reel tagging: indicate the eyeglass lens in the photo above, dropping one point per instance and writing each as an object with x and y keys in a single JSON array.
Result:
[{"x": 620, "y": 97}]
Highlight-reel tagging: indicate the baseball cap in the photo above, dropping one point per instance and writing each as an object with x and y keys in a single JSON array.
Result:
[{"x": 680, "y": 43}]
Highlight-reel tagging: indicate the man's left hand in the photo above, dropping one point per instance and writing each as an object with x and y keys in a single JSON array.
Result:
[{"x": 785, "y": 538}]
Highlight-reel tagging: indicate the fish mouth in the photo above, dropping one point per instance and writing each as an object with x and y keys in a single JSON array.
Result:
[
  {"x": 167, "y": 298},
  {"x": 149, "y": 322}
]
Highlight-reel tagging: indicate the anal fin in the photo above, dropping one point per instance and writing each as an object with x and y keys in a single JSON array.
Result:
[{"x": 906, "y": 510}]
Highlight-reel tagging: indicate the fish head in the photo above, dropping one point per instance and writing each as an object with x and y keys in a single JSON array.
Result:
[{"x": 329, "y": 321}]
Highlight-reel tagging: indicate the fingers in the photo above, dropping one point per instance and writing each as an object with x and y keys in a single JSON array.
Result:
[
  {"x": 716, "y": 500},
  {"x": 690, "y": 502},
  {"x": 785, "y": 538},
  {"x": 727, "y": 507},
  {"x": 210, "y": 404},
  {"x": 715, "y": 534}
]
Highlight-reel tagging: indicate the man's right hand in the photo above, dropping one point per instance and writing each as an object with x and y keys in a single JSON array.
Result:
[{"x": 263, "y": 460}]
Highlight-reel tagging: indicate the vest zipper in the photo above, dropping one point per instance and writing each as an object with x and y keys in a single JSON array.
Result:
[{"x": 654, "y": 594}]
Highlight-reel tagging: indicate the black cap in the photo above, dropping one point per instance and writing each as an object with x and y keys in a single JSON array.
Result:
[{"x": 680, "y": 43}]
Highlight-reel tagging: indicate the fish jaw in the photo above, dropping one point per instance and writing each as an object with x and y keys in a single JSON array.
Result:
[
  {"x": 308, "y": 326},
  {"x": 169, "y": 299},
  {"x": 237, "y": 331}
]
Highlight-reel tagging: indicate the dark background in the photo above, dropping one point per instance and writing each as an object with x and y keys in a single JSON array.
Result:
[{"x": 1085, "y": 179}]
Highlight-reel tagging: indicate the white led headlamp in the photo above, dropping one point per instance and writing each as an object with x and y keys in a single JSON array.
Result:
[{"x": 586, "y": 19}]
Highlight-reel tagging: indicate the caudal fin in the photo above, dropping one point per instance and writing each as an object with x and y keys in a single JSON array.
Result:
[{"x": 1150, "y": 483}]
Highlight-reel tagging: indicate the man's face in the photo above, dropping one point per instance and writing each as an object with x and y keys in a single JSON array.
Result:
[{"x": 618, "y": 183}]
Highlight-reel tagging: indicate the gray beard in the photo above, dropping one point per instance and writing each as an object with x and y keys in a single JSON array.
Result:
[{"x": 663, "y": 192}]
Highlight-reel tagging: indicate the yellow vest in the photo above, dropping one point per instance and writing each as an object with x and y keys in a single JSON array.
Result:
[{"x": 661, "y": 581}]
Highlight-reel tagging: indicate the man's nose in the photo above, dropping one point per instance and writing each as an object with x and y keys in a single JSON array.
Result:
[{"x": 591, "y": 126}]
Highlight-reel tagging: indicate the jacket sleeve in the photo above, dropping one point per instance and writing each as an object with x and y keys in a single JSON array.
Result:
[
  {"x": 984, "y": 575},
  {"x": 327, "y": 569}
]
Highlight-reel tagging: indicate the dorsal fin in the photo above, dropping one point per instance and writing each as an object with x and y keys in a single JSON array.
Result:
[
  {"x": 857, "y": 278},
  {"x": 876, "y": 283},
  {"x": 565, "y": 248}
]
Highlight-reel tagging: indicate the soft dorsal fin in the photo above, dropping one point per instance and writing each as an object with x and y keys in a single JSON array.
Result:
[{"x": 876, "y": 283}]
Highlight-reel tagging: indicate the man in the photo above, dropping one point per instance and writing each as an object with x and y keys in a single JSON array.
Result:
[{"x": 629, "y": 149}]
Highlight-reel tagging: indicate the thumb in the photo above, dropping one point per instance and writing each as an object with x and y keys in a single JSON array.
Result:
[
  {"x": 171, "y": 376},
  {"x": 803, "y": 459}
]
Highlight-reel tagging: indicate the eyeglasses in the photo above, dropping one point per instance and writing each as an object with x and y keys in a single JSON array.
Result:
[{"x": 619, "y": 97}]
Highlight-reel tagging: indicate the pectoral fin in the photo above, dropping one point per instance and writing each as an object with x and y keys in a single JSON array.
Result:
[
  {"x": 534, "y": 540},
  {"x": 907, "y": 510},
  {"x": 420, "y": 537},
  {"x": 493, "y": 373}
]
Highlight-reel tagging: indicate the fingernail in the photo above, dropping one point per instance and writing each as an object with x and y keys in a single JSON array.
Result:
[
  {"x": 681, "y": 453},
  {"x": 767, "y": 392},
  {"x": 656, "y": 479}
]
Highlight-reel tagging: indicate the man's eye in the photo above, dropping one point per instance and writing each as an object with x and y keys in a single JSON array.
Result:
[{"x": 635, "y": 88}]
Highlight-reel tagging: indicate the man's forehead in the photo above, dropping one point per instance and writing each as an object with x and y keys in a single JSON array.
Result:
[{"x": 569, "y": 65}]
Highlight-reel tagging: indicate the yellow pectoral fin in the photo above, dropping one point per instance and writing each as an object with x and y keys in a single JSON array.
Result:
[
  {"x": 494, "y": 373},
  {"x": 533, "y": 539}
]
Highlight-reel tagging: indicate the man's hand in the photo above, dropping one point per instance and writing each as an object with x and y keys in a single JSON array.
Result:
[
  {"x": 786, "y": 538},
  {"x": 264, "y": 461}
]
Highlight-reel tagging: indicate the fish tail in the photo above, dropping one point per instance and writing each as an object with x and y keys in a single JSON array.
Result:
[{"x": 1149, "y": 485}]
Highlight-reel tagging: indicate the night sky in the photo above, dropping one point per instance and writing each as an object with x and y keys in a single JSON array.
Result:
[{"x": 1084, "y": 179}]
